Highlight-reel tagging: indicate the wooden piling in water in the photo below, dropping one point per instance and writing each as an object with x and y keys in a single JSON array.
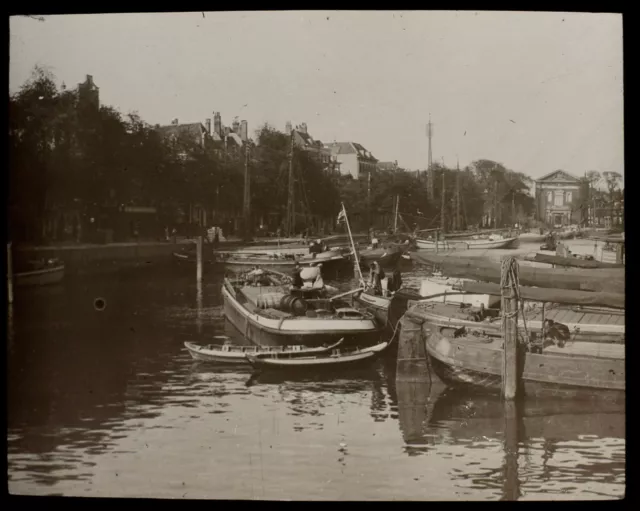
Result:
[
  {"x": 9, "y": 274},
  {"x": 411, "y": 364},
  {"x": 509, "y": 330},
  {"x": 199, "y": 259}
]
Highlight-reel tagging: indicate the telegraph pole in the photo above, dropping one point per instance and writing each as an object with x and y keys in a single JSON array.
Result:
[
  {"x": 430, "y": 176},
  {"x": 247, "y": 193},
  {"x": 369, "y": 198},
  {"x": 457, "y": 226},
  {"x": 442, "y": 210},
  {"x": 290, "y": 203},
  {"x": 495, "y": 204}
]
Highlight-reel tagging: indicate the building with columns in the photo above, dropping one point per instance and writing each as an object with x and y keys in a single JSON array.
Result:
[{"x": 556, "y": 196}]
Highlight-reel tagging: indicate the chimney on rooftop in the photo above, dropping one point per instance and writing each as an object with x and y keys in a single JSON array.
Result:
[
  {"x": 287, "y": 128},
  {"x": 303, "y": 127},
  {"x": 244, "y": 131},
  {"x": 207, "y": 123},
  {"x": 217, "y": 123},
  {"x": 174, "y": 122},
  {"x": 90, "y": 79}
]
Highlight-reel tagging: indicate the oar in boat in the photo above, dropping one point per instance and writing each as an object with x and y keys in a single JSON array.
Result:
[{"x": 347, "y": 293}]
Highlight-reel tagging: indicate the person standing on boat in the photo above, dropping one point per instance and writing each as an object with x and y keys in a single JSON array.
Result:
[
  {"x": 297, "y": 279},
  {"x": 395, "y": 281},
  {"x": 375, "y": 278},
  {"x": 319, "y": 282}
]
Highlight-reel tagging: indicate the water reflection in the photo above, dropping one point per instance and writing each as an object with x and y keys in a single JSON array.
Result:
[{"x": 528, "y": 436}]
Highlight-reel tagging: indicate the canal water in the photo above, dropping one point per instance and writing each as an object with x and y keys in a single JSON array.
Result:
[{"x": 104, "y": 401}]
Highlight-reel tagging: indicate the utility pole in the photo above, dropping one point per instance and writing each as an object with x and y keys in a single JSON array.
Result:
[
  {"x": 290, "y": 204},
  {"x": 430, "y": 177},
  {"x": 442, "y": 210},
  {"x": 247, "y": 193},
  {"x": 457, "y": 224},
  {"x": 369, "y": 198},
  {"x": 495, "y": 204},
  {"x": 513, "y": 207}
]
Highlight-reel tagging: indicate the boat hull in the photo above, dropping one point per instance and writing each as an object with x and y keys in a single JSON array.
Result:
[
  {"x": 45, "y": 276},
  {"x": 385, "y": 260},
  {"x": 315, "y": 364},
  {"x": 477, "y": 364},
  {"x": 308, "y": 332}
]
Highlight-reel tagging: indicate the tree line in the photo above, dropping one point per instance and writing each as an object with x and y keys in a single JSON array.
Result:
[{"x": 67, "y": 157}]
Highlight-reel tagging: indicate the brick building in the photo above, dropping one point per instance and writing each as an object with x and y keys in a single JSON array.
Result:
[{"x": 556, "y": 195}]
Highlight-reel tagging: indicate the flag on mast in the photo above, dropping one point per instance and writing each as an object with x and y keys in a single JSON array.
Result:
[{"x": 342, "y": 216}]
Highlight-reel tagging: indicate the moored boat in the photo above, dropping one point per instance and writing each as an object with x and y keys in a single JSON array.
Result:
[
  {"x": 235, "y": 354},
  {"x": 331, "y": 261},
  {"x": 270, "y": 312},
  {"x": 465, "y": 350},
  {"x": 335, "y": 360},
  {"x": 385, "y": 257},
  {"x": 39, "y": 273}
]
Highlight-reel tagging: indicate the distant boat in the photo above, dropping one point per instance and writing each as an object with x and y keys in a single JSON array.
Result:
[
  {"x": 333, "y": 361},
  {"x": 330, "y": 260},
  {"x": 268, "y": 312},
  {"x": 39, "y": 273},
  {"x": 234, "y": 354},
  {"x": 460, "y": 243}
]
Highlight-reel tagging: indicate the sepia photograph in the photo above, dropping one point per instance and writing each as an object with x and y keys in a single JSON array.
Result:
[{"x": 316, "y": 255}]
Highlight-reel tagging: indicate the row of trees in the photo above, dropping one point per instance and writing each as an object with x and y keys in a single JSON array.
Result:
[{"x": 67, "y": 156}]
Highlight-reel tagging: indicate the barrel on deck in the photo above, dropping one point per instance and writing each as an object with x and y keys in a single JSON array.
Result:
[{"x": 294, "y": 305}]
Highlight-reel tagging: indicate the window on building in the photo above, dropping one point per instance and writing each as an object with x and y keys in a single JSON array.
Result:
[
  {"x": 558, "y": 199},
  {"x": 549, "y": 197},
  {"x": 569, "y": 197}
]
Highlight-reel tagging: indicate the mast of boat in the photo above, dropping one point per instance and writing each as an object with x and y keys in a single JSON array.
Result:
[
  {"x": 353, "y": 245},
  {"x": 290, "y": 204},
  {"x": 395, "y": 222}
]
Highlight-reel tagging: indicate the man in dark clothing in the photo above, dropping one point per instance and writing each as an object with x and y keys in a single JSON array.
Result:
[{"x": 297, "y": 279}]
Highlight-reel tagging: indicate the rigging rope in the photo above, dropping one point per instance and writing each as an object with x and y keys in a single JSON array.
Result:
[{"x": 510, "y": 274}]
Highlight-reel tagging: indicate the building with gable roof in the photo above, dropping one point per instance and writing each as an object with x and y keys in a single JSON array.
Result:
[
  {"x": 315, "y": 148},
  {"x": 354, "y": 158},
  {"x": 556, "y": 195}
]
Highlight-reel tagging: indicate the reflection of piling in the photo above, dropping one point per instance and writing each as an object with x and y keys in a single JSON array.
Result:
[
  {"x": 511, "y": 488},
  {"x": 199, "y": 259},
  {"x": 412, "y": 364},
  {"x": 413, "y": 398},
  {"x": 9, "y": 274},
  {"x": 509, "y": 328}
]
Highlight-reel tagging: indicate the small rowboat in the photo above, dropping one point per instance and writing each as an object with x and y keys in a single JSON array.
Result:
[
  {"x": 335, "y": 360},
  {"x": 39, "y": 273},
  {"x": 234, "y": 354}
]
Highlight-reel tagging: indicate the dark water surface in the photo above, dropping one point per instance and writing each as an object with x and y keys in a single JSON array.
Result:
[{"x": 108, "y": 403}]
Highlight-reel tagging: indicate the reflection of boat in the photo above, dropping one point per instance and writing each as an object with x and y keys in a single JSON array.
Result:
[
  {"x": 466, "y": 350},
  {"x": 269, "y": 312},
  {"x": 231, "y": 353},
  {"x": 39, "y": 273},
  {"x": 337, "y": 359},
  {"x": 472, "y": 415}
]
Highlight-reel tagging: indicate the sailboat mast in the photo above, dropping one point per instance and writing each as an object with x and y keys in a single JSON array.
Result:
[
  {"x": 395, "y": 222},
  {"x": 290, "y": 196}
]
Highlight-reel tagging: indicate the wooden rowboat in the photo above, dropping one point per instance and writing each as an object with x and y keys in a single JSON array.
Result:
[
  {"x": 468, "y": 244},
  {"x": 43, "y": 273},
  {"x": 234, "y": 354},
  {"x": 335, "y": 360}
]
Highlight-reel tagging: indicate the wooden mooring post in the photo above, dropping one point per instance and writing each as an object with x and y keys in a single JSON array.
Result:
[
  {"x": 199, "y": 259},
  {"x": 510, "y": 382},
  {"x": 9, "y": 274},
  {"x": 411, "y": 364}
]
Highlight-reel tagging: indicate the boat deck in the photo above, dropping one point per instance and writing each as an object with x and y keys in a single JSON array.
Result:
[{"x": 575, "y": 315}]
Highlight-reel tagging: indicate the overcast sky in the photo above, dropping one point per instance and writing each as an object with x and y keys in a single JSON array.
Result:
[{"x": 534, "y": 91}]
